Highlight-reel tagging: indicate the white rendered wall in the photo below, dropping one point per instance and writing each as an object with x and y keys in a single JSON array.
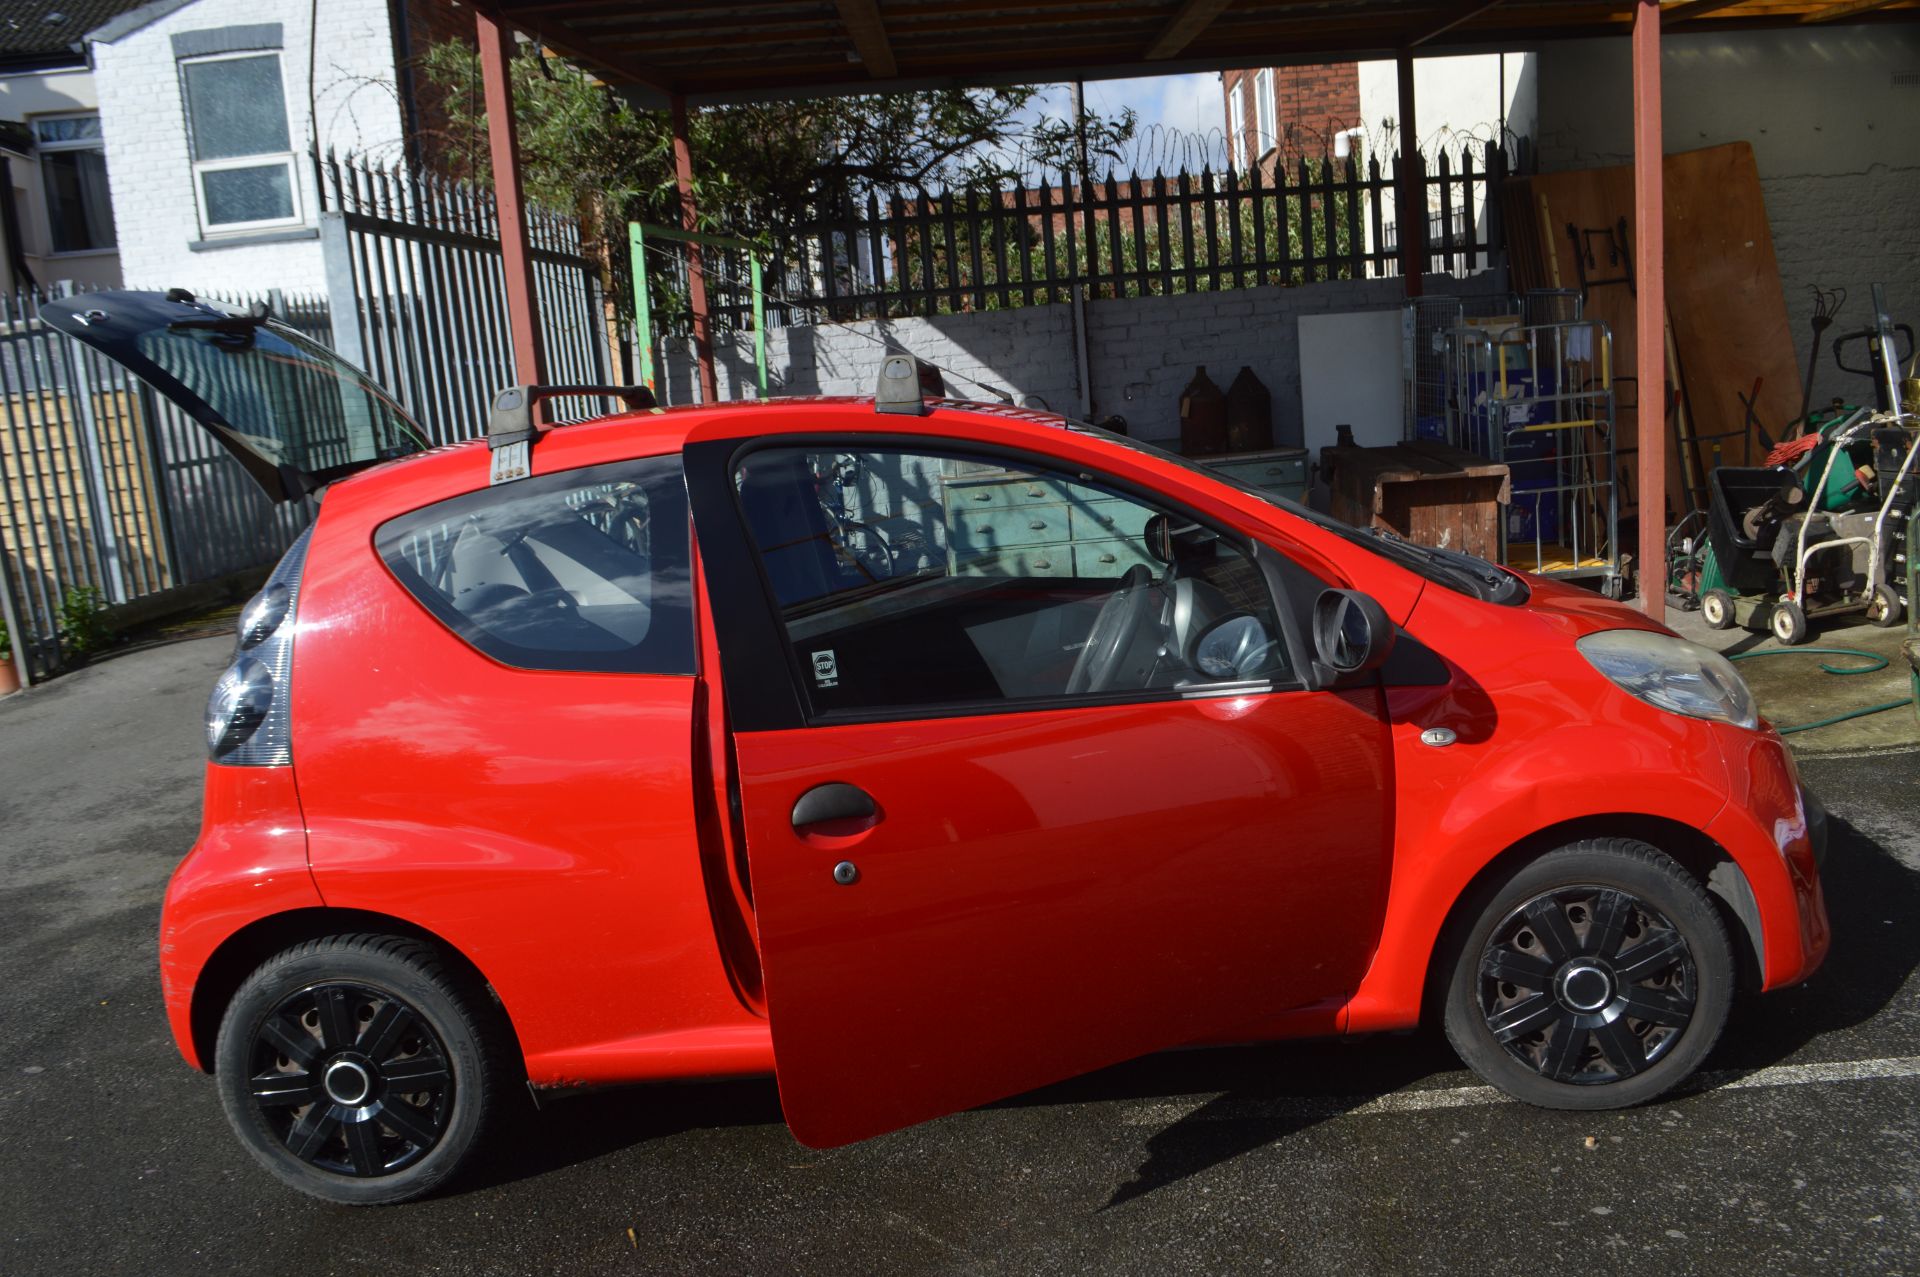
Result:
[
  {"x": 354, "y": 107},
  {"x": 22, "y": 97},
  {"x": 1457, "y": 101},
  {"x": 1454, "y": 99}
]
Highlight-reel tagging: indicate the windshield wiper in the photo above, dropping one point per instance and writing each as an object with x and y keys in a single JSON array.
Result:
[{"x": 237, "y": 324}]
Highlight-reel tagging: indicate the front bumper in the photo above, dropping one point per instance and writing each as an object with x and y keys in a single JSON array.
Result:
[
  {"x": 1816, "y": 826},
  {"x": 1777, "y": 833}
]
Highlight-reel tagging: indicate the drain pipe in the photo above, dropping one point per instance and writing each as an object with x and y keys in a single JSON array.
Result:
[{"x": 1082, "y": 364}]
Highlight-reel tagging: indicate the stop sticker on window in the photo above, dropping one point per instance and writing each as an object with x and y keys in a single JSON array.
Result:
[{"x": 826, "y": 670}]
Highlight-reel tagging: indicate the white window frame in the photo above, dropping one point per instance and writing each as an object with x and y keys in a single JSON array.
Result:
[
  {"x": 263, "y": 159},
  {"x": 1265, "y": 110},
  {"x": 1237, "y": 125},
  {"x": 43, "y": 147}
]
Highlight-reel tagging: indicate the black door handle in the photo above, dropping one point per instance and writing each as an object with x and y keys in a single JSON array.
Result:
[{"x": 833, "y": 801}]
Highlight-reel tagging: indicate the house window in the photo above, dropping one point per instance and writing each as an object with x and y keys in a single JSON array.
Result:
[
  {"x": 1263, "y": 109},
  {"x": 1237, "y": 125},
  {"x": 242, "y": 159},
  {"x": 73, "y": 168}
]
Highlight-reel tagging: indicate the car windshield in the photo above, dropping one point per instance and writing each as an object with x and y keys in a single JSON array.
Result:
[
  {"x": 1464, "y": 573},
  {"x": 287, "y": 397}
]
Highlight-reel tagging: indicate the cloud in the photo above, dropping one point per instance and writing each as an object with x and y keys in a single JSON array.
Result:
[{"x": 1189, "y": 103}]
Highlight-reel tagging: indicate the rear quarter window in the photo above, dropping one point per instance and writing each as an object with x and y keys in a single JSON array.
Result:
[{"x": 583, "y": 570}]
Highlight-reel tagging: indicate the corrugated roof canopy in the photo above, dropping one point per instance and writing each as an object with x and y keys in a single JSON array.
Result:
[
  {"x": 720, "y": 50},
  {"x": 52, "y": 29}
]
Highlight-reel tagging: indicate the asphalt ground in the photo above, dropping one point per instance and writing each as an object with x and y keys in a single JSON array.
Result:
[{"x": 1799, "y": 1152}]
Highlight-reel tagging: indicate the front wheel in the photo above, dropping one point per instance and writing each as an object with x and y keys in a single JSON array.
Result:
[
  {"x": 1716, "y": 609},
  {"x": 1597, "y": 977},
  {"x": 360, "y": 1069}
]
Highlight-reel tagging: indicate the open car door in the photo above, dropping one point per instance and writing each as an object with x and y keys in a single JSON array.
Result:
[
  {"x": 964, "y": 891},
  {"x": 294, "y": 414}
]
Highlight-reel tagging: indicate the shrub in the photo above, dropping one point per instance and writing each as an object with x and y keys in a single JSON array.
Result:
[{"x": 83, "y": 627}]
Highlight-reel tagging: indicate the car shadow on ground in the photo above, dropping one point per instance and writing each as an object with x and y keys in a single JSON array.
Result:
[{"x": 1228, "y": 1101}]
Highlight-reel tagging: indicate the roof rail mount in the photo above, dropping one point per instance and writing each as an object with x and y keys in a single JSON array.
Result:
[
  {"x": 510, "y": 430},
  {"x": 906, "y": 383}
]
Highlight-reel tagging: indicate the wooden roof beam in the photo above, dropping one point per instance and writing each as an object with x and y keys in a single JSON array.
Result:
[
  {"x": 1185, "y": 26},
  {"x": 1694, "y": 9},
  {"x": 1851, "y": 8},
  {"x": 1456, "y": 15},
  {"x": 861, "y": 18}
]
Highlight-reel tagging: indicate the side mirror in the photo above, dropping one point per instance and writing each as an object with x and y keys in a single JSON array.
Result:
[
  {"x": 1351, "y": 635},
  {"x": 1158, "y": 535}
]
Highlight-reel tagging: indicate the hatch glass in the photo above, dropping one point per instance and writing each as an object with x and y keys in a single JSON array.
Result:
[{"x": 296, "y": 415}]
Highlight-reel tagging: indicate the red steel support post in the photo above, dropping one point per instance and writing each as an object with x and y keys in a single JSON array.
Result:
[
  {"x": 1410, "y": 193},
  {"x": 1650, "y": 308},
  {"x": 503, "y": 141},
  {"x": 696, "y": 259}
]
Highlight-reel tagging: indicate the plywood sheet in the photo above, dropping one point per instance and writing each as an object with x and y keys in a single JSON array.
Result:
[{"x": 1724, "y": 302}]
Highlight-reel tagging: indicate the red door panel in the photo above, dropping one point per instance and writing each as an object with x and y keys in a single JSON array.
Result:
[{"x": 1049, "y": 892}]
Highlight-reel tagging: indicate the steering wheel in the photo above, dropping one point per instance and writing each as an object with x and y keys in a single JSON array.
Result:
[{"x": 1121, "y": 617}]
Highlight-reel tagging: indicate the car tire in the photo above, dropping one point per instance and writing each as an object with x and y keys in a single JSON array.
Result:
[
  {"x": 1612, "y": 1005},
  {"x": 1716, "y": 609},
  {"x": 318, "y": 1041}
]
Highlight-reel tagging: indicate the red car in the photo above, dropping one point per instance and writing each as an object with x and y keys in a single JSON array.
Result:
[{"x": 919, "y": 753}]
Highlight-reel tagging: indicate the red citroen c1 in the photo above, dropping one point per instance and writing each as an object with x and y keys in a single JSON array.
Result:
[{"x": 914, "y": 751}]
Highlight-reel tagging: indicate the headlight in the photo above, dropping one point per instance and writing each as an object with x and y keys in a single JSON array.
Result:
[
  {"x": 238, "y": 706},
  {"x": 1672, "y": 674},
  {"x": 262, "y": 616}
]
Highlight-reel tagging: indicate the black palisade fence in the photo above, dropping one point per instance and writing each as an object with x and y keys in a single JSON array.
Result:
[
  {"x": 1308, "y": 221},
  {"x": 414, "y": 259}
]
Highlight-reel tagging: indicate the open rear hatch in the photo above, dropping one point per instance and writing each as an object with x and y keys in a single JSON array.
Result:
[{"x": 293, "y": 413}]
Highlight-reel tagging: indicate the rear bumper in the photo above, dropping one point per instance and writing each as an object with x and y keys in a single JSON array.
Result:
[{"x": 250, "y": 863}]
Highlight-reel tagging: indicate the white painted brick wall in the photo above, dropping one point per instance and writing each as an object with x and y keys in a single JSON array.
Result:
[
  {"x": 1831, "y": 121},
  {"x": 144, "y": 120},
  {"x": 1141, "y": 352}
]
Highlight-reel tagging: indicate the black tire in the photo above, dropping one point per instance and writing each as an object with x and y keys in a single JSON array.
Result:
[
  {"x": 1885, "y": 609},
  {"x": 1788, "y": 622},
  {"x": 316, "y": 1044},
  {"x": 1584, "y": 1041},
  {"x": 1716, "y": 609}
]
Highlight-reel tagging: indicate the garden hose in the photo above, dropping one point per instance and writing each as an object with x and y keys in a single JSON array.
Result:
[{"x": 1879, "y": 663}]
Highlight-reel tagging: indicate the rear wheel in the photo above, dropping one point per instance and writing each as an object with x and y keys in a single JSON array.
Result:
[
  {"x": 1884, "y": 609},
  {"x": 1716, "y": 609},
  {"x": 1597, "y": 977},
  {"x": 359, "y": 1069}
]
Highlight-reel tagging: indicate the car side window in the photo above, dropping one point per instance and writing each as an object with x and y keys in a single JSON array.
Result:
[
  {"x": 907, "y": 580},
  {"x": 583, "y": 570}
]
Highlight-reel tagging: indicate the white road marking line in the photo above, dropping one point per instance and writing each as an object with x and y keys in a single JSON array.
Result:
[{"x": 1418, "y": 1101}]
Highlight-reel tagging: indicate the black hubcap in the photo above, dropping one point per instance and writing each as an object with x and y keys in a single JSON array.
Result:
[
  {"x": 1587, "y": 985},
  {"x": 352, "y": 1080}
]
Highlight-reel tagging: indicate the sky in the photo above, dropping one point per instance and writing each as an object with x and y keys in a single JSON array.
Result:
[{"x": 1186, "y": 105}]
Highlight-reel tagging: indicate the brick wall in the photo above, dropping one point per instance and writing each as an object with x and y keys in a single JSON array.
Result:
[
  {"x": 1141, "y": 351},
  {"x": 155, "y": 201},
  {"x": 1311, "y": 104},
  {"x": 427, "y": 23}
]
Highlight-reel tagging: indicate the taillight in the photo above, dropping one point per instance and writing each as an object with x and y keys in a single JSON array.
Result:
[{"x": 249, "y": 714}]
